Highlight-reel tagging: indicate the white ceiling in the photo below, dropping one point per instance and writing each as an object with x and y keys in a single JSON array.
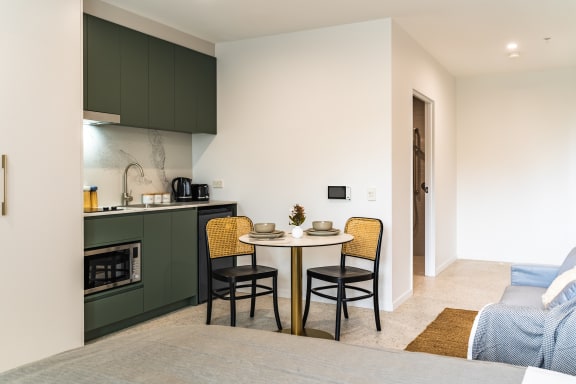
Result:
[{"x": 468, "y": 37}]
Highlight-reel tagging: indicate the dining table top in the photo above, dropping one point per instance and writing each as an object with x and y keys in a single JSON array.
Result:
[{"x": 305, "y": 241}]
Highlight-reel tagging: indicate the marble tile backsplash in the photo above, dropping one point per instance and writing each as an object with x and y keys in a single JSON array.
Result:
[{"x": 108, "y": 149}]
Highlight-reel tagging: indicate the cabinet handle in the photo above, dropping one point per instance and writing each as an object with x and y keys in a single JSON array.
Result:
[{"x": 5, "y": 168}]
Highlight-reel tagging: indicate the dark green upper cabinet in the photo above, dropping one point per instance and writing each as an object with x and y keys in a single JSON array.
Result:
[
  {"x": 195, "y": 92},
  {"x": 207, "y": 97},
  {"x": 134, "y": 78},
  {"x": 149, "y": 82},
  {"x": 101, "y": 65},
  {"x": 161, "y": 81}
]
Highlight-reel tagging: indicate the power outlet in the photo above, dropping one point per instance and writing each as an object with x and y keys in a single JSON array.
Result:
[
  {"x": 217, "y": 183},
  {"x": 371, "y": 194}
]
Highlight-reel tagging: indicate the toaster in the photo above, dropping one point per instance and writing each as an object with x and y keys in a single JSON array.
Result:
[{"x": 200, "y": 192}]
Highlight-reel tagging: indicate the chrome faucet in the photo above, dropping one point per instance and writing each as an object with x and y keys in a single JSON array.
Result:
[{"x": 126, "y": 196}]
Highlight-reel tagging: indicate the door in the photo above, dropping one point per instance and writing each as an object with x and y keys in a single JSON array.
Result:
[
  {"x": 419, "y": 187},
  {"x": 41, "y": 283},
  {"x": 423, "y": 241}
]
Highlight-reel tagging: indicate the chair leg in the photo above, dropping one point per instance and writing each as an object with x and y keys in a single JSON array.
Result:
[
  {"x": 209, "y": 302},
  {"x": 232, "y": 304},
  {"x": 307, "y": 306},
  {"x": 338, "y": 311},
  {"x": 253, "y": 298},
  {"x": 376, "y": 307},
  {"x": 344, "y": 303},
  {"x": 275, "y": 301},
  {"x": 209, "y": 308}
]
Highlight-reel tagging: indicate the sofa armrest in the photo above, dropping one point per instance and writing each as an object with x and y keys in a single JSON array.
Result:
[{"x": 534, "y": 275}]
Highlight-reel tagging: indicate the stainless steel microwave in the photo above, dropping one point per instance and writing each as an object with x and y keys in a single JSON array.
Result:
[{"x": 112, "y": 266}]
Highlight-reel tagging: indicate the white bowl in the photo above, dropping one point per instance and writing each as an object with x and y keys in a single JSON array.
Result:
[
  {"x": 322, "y": 225},
  {"x": 264, "y": 227}
]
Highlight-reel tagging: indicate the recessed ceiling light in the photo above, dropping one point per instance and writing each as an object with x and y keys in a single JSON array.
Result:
[{"x": 511, "y": 46}]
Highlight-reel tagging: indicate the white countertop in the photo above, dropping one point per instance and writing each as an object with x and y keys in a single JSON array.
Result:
[{"x": 137, "y": 208}]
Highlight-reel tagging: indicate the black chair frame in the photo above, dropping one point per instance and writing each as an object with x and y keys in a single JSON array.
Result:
[
  {"x": 341, "y": 277},
  {"x": 244, "y": 276}
]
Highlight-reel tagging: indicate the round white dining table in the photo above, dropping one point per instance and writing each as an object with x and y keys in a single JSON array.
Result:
[{"x": 296, "y": 245}]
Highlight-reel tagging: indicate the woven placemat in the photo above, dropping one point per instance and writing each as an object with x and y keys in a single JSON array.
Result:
[{"x": 447, "y": 335}]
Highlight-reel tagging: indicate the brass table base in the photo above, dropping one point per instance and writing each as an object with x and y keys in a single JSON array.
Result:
[
  {"x": 296, "y": 317},
  {"x": 309, "y": 332}
]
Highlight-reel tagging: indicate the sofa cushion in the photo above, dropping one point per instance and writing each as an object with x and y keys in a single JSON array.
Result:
[
  {"x": 525, "y": 296},
  {"x": 569, "y": 262},
  {"x": 562, "y": 289}
]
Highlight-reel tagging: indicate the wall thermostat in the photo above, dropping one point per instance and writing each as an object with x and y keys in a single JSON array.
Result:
[{"x": 339, "y": 192}]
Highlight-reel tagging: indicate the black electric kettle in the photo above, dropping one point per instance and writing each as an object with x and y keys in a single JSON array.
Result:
[{"x": 182, "y": 189}]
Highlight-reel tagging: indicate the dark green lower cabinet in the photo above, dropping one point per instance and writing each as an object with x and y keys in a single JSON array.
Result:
[
  {"x": 169, "y": 257},
  {"x": 169, "y": 268},
  {"x": 184, "y": 281},
  {"x": 107, "y": 310},
  {"x": 107, "y": 230},
  {"x": 156, "y": 255}
]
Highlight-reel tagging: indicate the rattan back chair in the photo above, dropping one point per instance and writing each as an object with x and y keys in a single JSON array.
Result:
[
  {"x": 367, "y": 234},
  {"x": 222, "y": 241}
]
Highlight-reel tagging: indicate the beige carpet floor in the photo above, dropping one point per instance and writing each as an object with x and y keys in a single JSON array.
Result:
[{"x": 464, "y": 284}]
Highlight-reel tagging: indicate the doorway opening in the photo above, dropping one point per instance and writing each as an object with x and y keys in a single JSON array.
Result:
[
  {"x": 422, "y": 228},
  {"x": 418, "y": 185}
]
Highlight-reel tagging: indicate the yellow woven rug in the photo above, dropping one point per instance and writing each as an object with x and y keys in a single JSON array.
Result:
[{"x": 447, "y": 335}]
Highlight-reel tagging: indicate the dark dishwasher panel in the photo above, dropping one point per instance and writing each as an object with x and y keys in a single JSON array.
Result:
[{"x": 204, "y": 215}]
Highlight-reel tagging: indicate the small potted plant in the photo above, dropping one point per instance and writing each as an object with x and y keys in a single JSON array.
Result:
[{"x": 297, "y": 217}]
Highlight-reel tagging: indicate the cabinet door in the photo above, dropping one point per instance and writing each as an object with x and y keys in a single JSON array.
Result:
[
  {"x": 106, "y": 311},
  {"x": 85, "y": 61},
  {"x": 185, "y": 92},
  {"x": 161, "y": 83},
  {"x": 184, "y": 254},
  {"x": 156, "y": 263},
  {"x": 102, "y": 65},
  {"x": 134, "y": 78},
  {"x": 207, "y": 95},
  {"x": 195, "y": 91},
  {"x": 114, "y": 229}
]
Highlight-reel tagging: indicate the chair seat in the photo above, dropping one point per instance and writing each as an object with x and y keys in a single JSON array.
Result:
[
  {"x": 335, "y": 273},
  {"x": 244, "y": 273}
]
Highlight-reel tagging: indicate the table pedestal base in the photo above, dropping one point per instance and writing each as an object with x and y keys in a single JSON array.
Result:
[{"x": 309, "y": 332}]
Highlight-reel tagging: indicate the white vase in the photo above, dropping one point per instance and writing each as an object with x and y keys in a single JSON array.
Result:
[{"x": 297, "y": 232}]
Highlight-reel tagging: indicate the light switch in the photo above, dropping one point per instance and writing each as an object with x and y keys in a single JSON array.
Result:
[
  {"x": 217, "y": 183},
  {"x": 371, "y": 194}
]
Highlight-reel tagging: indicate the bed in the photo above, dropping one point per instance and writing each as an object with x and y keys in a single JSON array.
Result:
[{"x": 221, "y": 354}]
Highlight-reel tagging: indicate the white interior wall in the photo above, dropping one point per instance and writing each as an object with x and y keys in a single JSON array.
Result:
[
  {"x": 41, "y": 256},
  {"x": 414, "y": 70},
  {"x": 296, "y": 113},
  {"x": 517, "y": 166}
]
